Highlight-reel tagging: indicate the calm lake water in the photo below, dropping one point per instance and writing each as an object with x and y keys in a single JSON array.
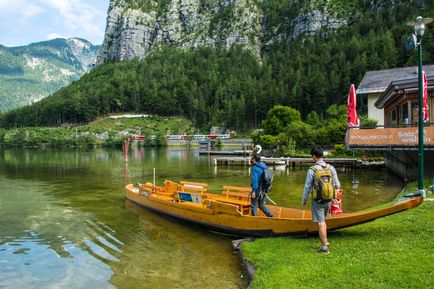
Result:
[{"x": 65, "y": 224}]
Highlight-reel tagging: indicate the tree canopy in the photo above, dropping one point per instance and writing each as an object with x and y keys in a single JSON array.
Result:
[{"x": 233, "y": 88}]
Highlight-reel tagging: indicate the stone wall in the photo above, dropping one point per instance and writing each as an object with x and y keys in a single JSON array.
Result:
[{"x": 405, "y": 163}]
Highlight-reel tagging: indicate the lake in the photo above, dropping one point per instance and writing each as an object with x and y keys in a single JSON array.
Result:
[{"x": 65, "y": 223}]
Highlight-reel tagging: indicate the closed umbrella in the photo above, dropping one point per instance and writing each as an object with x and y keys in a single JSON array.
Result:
[
  {"x": 353, "y": 120},
  {"x": 425, "y": 106}
]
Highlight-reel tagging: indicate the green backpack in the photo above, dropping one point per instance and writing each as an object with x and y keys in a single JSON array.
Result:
[{"x": 323, "y": 190}]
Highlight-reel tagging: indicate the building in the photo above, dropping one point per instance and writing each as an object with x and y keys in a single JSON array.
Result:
[
  {"x": 375, "y": 83},
  {"x": 400, "y": 101},
  {"x": 392, "y": 99}
]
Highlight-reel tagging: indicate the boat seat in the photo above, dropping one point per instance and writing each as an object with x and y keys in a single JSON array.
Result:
[
  {"x": 196, "y": 192},
  {"x": 192, "y": 187},
  {"x": 171, "y": 188},
  {"x": 240, "y": 196},
  {"x": 149, "y": 188}
]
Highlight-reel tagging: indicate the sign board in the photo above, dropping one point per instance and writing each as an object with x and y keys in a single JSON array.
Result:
[
  {"x": 189, "y": 197},
  {"x": 405, "y": 136}
]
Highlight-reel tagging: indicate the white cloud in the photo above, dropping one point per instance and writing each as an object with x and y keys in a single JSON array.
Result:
[
  {"x": 55, "y": 35},
  {"x": 22, "y": 9},
  {"x": 77, "y": 16},
  {"x": 25, "y": 21}
]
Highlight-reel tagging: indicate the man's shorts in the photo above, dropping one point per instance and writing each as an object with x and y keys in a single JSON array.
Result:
[{"x": 320, "y": 211}]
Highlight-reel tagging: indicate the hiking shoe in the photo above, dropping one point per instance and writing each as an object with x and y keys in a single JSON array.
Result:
[{"x": 321, "y": 250}]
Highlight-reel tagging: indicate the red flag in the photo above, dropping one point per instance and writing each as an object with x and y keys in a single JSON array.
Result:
[
  {"x": 425, "y": 108},
  {"x": 353, "y": 120}
]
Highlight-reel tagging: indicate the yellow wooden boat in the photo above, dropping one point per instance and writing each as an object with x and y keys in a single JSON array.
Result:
[{"x": 230, "y": 211}]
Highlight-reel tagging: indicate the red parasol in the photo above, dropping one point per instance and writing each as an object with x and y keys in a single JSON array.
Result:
[
  {"x": 425, "y": 108},
  {"x": 353, "y": 120}
]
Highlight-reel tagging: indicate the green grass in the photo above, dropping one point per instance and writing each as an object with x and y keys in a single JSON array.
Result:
[
  {"x": 392, "y": 252},
  {"x": 146, "y": 125},
  {"x": 85, "y": 135}
]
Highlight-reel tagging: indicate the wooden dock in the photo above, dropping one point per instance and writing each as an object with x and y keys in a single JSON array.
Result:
[
  {"x": 288, "y": 162},
  {"x": 232, "y": 153}
]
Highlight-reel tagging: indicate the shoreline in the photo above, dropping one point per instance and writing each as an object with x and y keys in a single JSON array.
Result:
[{"x": 341, "y": 240}]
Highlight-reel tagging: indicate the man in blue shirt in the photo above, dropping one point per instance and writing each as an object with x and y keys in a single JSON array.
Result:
[
  {"x": 258, "y": 197},
  {"x": 320, "y": 210}
]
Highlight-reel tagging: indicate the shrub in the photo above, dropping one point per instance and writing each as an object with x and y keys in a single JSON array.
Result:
[
  {"x": 278, "y": 118},
  {"x": 366, "y": 122}
]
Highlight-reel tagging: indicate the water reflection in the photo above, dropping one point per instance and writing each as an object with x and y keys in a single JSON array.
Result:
[
  {"x": 41, "y": 241},
  {"x": 64, "y": 221}
]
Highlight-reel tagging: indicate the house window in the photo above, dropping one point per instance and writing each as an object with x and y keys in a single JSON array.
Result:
[
  {"x": 394, "y": 118},
  {"x": 404, "y": 114},
  {"x": 414, "y": 112},
  {"x": 431, "y": 111},
  {"x": 362, "y": 104}
]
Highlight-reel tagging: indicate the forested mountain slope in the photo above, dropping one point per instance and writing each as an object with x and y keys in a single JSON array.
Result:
[
  {"x": 228, "y": 62},
  {"x": 30, "y": 73}
]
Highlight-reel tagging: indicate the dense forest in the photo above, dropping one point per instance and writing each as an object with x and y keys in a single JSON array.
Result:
[{"x": 231, "y": 88}]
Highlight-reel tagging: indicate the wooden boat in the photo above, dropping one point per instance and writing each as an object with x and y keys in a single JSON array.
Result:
[{"x": 230, "y": 211}]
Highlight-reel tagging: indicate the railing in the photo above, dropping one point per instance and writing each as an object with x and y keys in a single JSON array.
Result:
[{"x": 382, "y": 136}]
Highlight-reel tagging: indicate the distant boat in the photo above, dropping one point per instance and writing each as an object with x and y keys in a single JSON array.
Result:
[{"x": 230, "y": 211}]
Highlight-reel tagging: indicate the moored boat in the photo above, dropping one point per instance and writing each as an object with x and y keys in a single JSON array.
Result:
[{"x": 230, "y": 211}]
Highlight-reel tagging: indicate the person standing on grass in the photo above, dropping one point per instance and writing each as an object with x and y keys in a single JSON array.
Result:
[
  {"x": 320, "y": 208},
  {"x": 258, "y": 197}
]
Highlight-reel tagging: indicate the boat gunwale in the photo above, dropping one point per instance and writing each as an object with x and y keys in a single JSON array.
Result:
[
  {"x": 299, "y": 211},
  {"x": 268, "y": 226}
]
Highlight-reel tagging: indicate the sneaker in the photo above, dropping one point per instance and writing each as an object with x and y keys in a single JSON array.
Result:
[{"x": 321, "y": 250}]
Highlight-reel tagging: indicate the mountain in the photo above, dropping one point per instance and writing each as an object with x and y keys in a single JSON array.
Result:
[
  {"x": 135, "y": 28},
  {"x": 32, "y": 72},
  {"x": 227, "y": 62}
]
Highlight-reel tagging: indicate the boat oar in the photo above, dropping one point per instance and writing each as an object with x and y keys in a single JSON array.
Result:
[
  {"x": 271, "y": 201},
  {"x": 154, "y": 177}
]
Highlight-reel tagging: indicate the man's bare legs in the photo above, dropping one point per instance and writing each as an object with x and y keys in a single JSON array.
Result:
[{"x": 322, "y": 230}]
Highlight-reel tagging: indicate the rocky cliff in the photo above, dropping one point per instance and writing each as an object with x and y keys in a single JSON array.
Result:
[{"x": 135, "y": 28}]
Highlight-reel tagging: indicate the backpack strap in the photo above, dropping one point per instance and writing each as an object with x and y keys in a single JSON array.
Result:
[
  {"x": 313, "y": 168},
  {"x": 312, "y": 189}
]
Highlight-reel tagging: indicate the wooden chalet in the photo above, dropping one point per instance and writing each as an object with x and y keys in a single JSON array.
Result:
[{"x": 391, "y": 97}]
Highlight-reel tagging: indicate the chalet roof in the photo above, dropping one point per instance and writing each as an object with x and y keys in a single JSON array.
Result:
[
  {"x": 402, "y": 85},
  {"x": 378, "y": 81}
]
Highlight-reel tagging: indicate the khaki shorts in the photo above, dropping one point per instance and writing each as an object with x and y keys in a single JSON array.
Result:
[{"x": 320, "y": 211}]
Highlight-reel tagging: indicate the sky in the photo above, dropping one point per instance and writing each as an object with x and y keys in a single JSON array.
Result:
[{"x": 25, "y": 21}]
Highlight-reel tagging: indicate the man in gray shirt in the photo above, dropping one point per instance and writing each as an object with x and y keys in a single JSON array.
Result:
[{"x": 320, "y": 210}]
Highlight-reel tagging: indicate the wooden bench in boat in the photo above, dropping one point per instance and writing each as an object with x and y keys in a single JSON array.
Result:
[
  {"x": 171, "y": 187},
  {"x": 240, "y": 193},
  {"x": 192, "y": 192},
  {"x": 168, "y": 192},
  {"x": 239, "y": 196},
  {"x": 193, "y": 186},
  {"x": 195, "y": 194}
]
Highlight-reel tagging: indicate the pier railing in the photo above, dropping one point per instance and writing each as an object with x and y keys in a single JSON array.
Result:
[{"x": 289, "y": 162}]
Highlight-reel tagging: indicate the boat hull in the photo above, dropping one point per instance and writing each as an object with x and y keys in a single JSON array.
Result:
[{"x": 227, "y": 218}]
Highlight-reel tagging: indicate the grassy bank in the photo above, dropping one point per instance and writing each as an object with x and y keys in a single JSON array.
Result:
[
  {"x": 106, "y": 131},
  {"x": 392, "y": 252}
]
